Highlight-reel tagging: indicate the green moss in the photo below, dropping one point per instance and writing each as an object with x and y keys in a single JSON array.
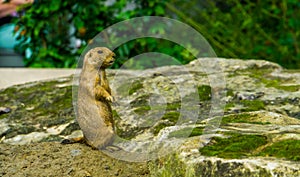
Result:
[
  {"x": 229, "y": 92},
  {"x": 130, "y": 87},
  {"x": 249, "y": 105},
  {"x": 276, "y": 83},
  {"x": 173, "y": 106},
  {"x": 158, "y": 127},
  {"x": 17, "y": 130},
  {"x": 197, "y": 131},
  {"x": 290, "y": 88},
  {"x": 41, "y": 103},
  {"x": 171, "y": 116},
  {"x": 204, "y": 92},
  {"x": 169, "y": 166},
  {"x": 142, "y": 110},
  {"x": 241, "y": 118},
  {"x": 136, "y": 85},
  {"x": 263, "y": 76},
  {"x": 253, "y": 105},
  {"x": 127, "y": 135},
  {"x": 186, "y": 132},
  {"x": 236, "y": 146},
  {"x": 52, "y": 138},
  {"x": 140, "y": 101},
  {"x": 115, "y": 115},
  {"x": 289, "y": 149},
  {"x": 141, "y": 105},
  {"x": 229, "y": 105}
]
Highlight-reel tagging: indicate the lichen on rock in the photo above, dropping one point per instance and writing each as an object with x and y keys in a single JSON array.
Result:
[{"x": 258, "y": 135}]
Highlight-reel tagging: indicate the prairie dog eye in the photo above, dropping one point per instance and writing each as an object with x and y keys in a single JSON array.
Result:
[{"x": 100, "y": 51}]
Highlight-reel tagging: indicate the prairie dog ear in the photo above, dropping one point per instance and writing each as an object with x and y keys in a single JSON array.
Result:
[{"x": 90, "y": 59}]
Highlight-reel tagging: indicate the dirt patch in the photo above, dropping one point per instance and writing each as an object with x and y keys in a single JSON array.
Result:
[{"x": 54, "y": 159}]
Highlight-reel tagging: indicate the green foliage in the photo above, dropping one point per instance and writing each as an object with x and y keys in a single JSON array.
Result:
[
  {"x": 236, "y": 146},
  {"x": 236, "y": 29},
  {"x": 145, "y": 45},
  {"x": 246, "y": 29},
  {"x": 49, "y": 28}
]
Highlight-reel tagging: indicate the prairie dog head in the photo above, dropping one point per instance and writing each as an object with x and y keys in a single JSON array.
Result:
[{"x": 100, "y": 57}]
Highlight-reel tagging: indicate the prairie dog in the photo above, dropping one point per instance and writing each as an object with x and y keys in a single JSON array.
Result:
[{"x": 94, "y": 113}]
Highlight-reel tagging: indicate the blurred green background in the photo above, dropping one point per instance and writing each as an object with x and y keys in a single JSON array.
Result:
[{"x": 56, "y": 31}]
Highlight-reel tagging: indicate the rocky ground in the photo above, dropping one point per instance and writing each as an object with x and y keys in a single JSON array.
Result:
[{"x": 212, "y": 117}]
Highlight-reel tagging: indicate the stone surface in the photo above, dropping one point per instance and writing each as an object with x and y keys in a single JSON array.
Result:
[
  {"x": 174, "y": 108},
  {"x": 13, "y": 76}
]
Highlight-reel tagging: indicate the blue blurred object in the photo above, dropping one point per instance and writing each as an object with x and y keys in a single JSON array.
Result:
[
  {"x": 7, "y": 40},
  {"x": 8, "y": 57}
]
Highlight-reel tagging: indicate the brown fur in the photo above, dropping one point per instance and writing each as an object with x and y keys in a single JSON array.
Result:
[{"x": 94, "y": 113}]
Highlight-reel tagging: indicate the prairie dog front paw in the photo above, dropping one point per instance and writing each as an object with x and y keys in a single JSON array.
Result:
[{"x": 109, "y": 98}]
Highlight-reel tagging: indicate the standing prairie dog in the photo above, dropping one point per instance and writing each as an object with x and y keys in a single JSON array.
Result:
[{"x": 94, "y": 113}]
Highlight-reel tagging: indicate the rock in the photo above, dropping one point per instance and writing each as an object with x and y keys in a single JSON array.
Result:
[
  {"x": 4, "y": 110},
  {"x": 3, "y": 127},
  {"x": 169, "y": 110}
]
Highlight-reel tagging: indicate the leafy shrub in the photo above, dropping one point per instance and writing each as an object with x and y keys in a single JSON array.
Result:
[
  {"x": 50, "y": 28},
  {"x": 246, "y": 29},
  {"x": 235, "y": 28}
]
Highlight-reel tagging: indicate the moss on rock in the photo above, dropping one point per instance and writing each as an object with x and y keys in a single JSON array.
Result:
[
  {"x": 41, "y": 104},
  {"x": 289, "y": 149},
  {"x": 242, "y": 118},
  {"x": 204, "y": 92},
  {"x": 187, "y": 132},
  {"x": 130, "y": 87},
  {"x": 235, "y": 146}
]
